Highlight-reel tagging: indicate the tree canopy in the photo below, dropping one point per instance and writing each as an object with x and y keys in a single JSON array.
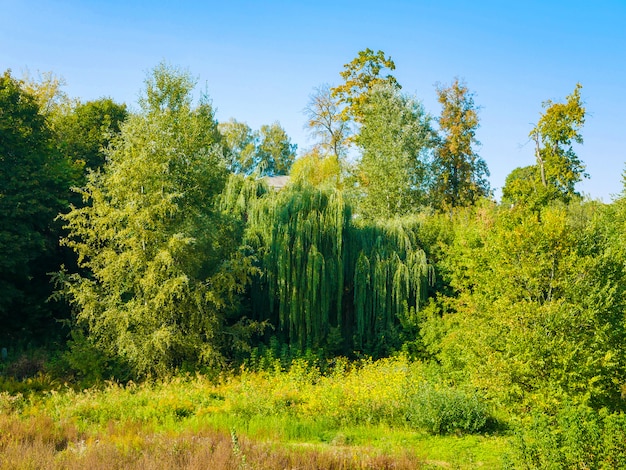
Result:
[
  {"x": 536, "y": 311},
  {"x": 459, "y": 173},
  {"x": 557, "y": 168},
  {"x": 394, "y": 138},
  {"x": 326, "y": 281},
  {"x": 360, "y": 76},
  {"x": 34, "y": 187},
  {"x": 151, "y": 238},
  {"x": 267, "y": 152}
]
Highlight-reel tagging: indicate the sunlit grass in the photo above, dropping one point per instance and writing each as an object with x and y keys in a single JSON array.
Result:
[{"x": 355, "y": 411}]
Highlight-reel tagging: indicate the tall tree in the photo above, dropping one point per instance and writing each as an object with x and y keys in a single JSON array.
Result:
[
  {"x": 241, "y": 144},
  {"x": 394, "y": 139},
  {"x": 327, "y": 278},
  {"x": 327, "y": 123},
  {"x": 87, "y": 129},
  {"x": 559, "y": 127},
  {"x": 557, "y": 168},
  {"x": 269, "y": 151},
  {"x": 34, "y": 186},
  {"x": 152, "y": 237},
  {"x": 459, "y": 173},
  {"x": 360, "y": 76},
  {"x": 275, "y": 152}
]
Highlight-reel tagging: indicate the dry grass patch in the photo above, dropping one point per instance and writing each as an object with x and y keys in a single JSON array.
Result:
[{"x": 39, "y": 443}]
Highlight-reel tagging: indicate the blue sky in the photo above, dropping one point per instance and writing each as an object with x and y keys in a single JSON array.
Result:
[{"x": 259, "y": 61}]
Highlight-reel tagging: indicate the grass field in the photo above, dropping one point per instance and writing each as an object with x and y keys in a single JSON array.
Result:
[{"x": 368, "y": 415}]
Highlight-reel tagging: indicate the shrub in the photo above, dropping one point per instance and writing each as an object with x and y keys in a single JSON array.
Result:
[
  {"x": 25, "y": 367},
  {"x": 447, "y": 410},
  {"x": 87, "y": 363},
  {"x": 577, "y": 437}
]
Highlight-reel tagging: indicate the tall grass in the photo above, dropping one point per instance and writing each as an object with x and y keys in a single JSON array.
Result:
[
  {"x": 38, "y": 443},
  {"x": 354, "y": 415},
  {"x": 393, "y": 391}
]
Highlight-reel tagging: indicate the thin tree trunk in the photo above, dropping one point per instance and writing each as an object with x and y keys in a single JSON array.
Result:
[{"x": 540, "y": 160}]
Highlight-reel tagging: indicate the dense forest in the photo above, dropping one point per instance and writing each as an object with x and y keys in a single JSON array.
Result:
[{"x": 149, "y": 243}]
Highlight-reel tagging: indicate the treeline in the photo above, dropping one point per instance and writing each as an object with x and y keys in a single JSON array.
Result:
[{"x": 142, "y": 243}]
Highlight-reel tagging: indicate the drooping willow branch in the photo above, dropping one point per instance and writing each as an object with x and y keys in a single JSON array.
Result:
[{"x": 322, "y": 269}]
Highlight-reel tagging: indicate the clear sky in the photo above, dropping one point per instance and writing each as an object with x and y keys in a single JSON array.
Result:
[{"x": 259, "y": 61}]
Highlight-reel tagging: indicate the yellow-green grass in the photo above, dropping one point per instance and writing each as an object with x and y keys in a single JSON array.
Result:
[{"x": 358, "y": 413}]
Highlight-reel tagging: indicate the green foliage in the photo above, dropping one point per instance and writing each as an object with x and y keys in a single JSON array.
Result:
[
  {"x": 448, "y": 410},
  {"x": 558, "y": 168},
  {"x": 268, "y": 152},
  {"x": 34, "y": 186},
  {"x": 538, "y": 312},
  {"x": 154, "y": 245},
  {"x": 241, "y": 144},
  {"x": 523, "y": 186},
  {"x": 275, "y": 152},
  {"x": 317, "y": 170},
  {"x": 577, "y": 437},
  {"x": 85, "y": 364},
  {"x": 322, "y": 270},
  {"x": 87, "y": 130},
  {"x": 394, "y": 139},
  {"x": 298, "y": 235},
  {"x": 351, "y": 393},
  {"x": 459, "y": 174}
]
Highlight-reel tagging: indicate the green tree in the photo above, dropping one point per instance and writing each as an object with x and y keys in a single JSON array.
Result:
[
  {"x": 523, "y": 185},
  {"x": 275, "y": 152},
  {"x": 34, "y": 186},
  {"x": 326, "y": 280},
  {"x": 241, "y": 143},
  {"x": 557, "y": 168},
  {"x": 316, "y": 169},
  {"x": 268, "y": 152},
  {"x": 82, "y": 130},
  {"x": 394, "y": 139},
  {"x": 459, "y": 173},
  {"x": 87, "y": 129},
  {"x": 554, "y": 135},
  {"x": 536, "y": 317},
  {"x": 152, "y": 239},
  {"x": 360, "y": 76}
]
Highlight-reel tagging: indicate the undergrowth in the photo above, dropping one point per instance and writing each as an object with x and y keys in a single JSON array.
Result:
[{"x": 367, "y": 410}]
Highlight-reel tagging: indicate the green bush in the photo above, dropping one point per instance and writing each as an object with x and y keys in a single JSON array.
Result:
[
  {"x": 447, "y": 410},
  {"x": 85, "y": 364},
  {"x": 577, "y": 437}
]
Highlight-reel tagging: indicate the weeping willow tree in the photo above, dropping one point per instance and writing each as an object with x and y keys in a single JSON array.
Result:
[
  {"x": 388, "y": 276},
  {"x": 322, "y": 274}
]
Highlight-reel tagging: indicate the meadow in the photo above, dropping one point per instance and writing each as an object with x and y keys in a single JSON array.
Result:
[{"x": 371, "y": 414}]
